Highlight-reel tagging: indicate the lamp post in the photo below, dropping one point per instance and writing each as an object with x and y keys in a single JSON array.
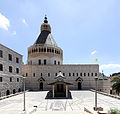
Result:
[
  {"x": 24, "y": 109},
  {"x": 96, "y": 79}
]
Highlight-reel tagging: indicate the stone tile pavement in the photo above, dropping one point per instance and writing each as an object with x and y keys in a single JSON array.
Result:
[{"x": 80, "y": 99}]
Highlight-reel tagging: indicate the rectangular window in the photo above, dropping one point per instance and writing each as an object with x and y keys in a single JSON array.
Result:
[
  {"x": 91, "y": 74},
  {"x": 10, "y": 79},
  {"x": 10, "y": 57},
  {"x": 17, "y": 60},
  {"x": 17, "y": 70},
  {"x": 1, "y": 79},
  {"x": 10, "y": 69},
  {"x": 39, "y": 62},
  {"x": 1, "y": 67},
  {"x": 1, "y": 53},
  {"x": 17, "y": 79},
  {"x": 88, "y": 74},
  {"x": 41, "y": 74},
  {"x": 33, "y": 74}
]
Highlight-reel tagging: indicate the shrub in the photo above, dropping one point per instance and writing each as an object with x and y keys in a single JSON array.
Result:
[{"x": 113, "y": 111}]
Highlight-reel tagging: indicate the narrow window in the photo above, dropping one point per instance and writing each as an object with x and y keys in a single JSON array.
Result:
[
  {"x": 48, "y": 74},
  {"x": 44, "y": 61},
  {"x": 39, "y": 62},
  {"x": 17, "y": 79},
  {"x": 26, "y": 74},
  {"x": 88, "y": 74},
  {"x": 10, "y": 57},
  {"x": 10, "y": 79},
  {"x": 69, "y": 74},
  {"x": 58, "y": 62},
  {"x": 55, "y": 74},
  {"x": 1, "y": 79},
  {"x": 63, "y": 74},
  {"x": 1, "y": 53},
  {"x": 17, "y": 70},
  {"x": 76, "y": 74},
  {"x": 17, "y": 60},
  {"x": 55, "y": 62},
  {"x": 73, "y": 74},
  {"x": 41, "y": 74},
  {"x": 1, "y": 67},
  {"x": 84, "y": 74},
  {"x": 95, "y": 74},
  {"x": 91, "y": 74},
  {"x": 80, "y": 74},
  {"x": 10, "y": 69},
  {"x": 33, "y": 74}
]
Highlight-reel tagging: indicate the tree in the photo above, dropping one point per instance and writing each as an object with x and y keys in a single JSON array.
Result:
[{"x": 116, "y": 84}]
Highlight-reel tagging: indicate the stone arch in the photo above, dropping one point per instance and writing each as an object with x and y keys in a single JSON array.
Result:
[{"x": 14, "y": 91}]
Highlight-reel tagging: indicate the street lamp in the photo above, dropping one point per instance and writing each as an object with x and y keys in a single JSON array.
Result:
[
  {"x": 96, "y": 79},
  {"x": 24, "y": 109}
]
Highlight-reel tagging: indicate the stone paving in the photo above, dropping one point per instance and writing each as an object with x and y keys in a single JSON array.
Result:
[{"x": 81, "y": 99}]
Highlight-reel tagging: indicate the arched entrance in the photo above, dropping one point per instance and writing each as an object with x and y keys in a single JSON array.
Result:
[
  {"x": 79, "y": 86},
  {"x": 19, "y": 90},
  {"x": 14, "y": 91},
  {"x": 7, "y": 92},
  {"x": 41, "y": 85}
]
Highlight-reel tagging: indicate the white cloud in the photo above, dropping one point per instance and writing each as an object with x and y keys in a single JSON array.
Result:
[
  {"x": 24, "y": 22},
  {"x": 4, "y": 22},
  {"x": 109, "y": 66},
  {"x": 14, "y": 33},
  {"x": 93, "y": 52}
]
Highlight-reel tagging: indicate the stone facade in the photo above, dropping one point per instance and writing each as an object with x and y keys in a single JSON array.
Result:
[
  {"x": 45, "y": 60},
  {"x": 10, "y": 71}
]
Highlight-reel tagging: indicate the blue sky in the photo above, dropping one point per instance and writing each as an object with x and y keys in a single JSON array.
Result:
[{"x": 84, "y": 29}]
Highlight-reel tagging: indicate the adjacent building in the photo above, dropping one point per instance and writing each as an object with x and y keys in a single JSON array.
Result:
[{"x": 10, "y": 71}]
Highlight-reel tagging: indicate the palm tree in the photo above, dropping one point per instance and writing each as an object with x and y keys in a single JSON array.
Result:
[{"x": 116, "y": 84}]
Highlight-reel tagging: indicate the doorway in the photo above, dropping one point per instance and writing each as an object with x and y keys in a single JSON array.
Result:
[
  {"x": 79, "y": 86},
  {"x": 41, "y": 85}
]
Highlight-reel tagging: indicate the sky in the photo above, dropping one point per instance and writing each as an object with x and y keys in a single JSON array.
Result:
[{"x": 84, "y": 29}]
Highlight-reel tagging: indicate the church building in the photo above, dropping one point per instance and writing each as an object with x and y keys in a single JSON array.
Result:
[{"x": 45, "y": 69}]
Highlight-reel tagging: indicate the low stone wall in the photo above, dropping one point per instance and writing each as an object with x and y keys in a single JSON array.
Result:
[{"x": 106, "y": 94}]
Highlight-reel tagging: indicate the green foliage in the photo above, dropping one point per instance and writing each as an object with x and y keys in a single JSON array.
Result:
[
  {"x": 114, "y": 111},
  {"x": 116, "y": 84}
]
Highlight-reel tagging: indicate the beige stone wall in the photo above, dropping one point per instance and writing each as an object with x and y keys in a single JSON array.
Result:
[
  {"x": 88, "y": 82},
  {"x": 5, "y": 74}
]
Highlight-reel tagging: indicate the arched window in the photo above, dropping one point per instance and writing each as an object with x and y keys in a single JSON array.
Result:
[{"x": 14, "y": 91}]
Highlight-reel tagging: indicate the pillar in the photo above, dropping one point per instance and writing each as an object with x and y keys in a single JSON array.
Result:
[{"x": 53, "y": 91}]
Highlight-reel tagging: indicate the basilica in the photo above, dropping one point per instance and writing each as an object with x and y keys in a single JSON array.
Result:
[{"x": 45, "y": 69}]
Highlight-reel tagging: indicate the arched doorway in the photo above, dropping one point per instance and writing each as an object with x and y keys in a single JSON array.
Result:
[
  {"x": 7, "y": 92},
  {"x": 19, "y": 90},
  {"x": 41, "y": 85},
  {"x": 79, "y": 86},
  {"x": 14, "y": 91}
]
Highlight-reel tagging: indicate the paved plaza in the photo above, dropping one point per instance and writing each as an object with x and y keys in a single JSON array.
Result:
[{"x": 80, "y": 99}]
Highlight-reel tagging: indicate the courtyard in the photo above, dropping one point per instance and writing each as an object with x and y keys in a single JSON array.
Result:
[{"x": 80, "y": 99}]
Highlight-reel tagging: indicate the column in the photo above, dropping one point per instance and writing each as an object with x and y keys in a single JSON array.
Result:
[
  {"x": 66, "y": 91},
  {"x": 53, "y": 91}
]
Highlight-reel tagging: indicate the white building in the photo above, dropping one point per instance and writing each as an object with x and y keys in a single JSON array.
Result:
[
  {"x": 10, "y": 71},
  {"x": 45, "y": 61}
]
